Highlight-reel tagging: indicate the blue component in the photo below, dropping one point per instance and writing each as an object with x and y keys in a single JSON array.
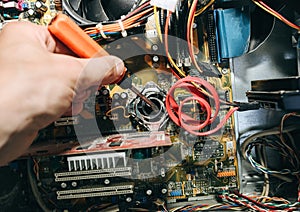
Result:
[
  {"x": 14, "y": 165},
  {"x": 233, "y": 31},
  {"x": 25, "y": 5},
  {"x": 114, "y": 200},
  {"x": 175, "y": 193}
]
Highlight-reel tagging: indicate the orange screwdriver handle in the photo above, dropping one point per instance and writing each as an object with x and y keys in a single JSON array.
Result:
[{"x": 70, "y": 34}]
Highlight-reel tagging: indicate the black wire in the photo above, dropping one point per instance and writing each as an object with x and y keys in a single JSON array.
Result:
[
  {"x": 162, "y": 19},
  {"x": 138, "y": 4},
  {"x": 144, "y": 18},
  {"x": 68, "y": 8},
  {"x": 277, "y": 146},
  {"x": 34, "y": 188},
  {"x": 184, "y": 19}
]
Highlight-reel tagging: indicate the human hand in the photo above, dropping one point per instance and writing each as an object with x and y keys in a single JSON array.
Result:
[{"x": 40, "y": 81}]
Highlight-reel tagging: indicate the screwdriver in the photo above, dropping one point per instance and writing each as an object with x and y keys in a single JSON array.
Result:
[{"x": 71, "y": 35}]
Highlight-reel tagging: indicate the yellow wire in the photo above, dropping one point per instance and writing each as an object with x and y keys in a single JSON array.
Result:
[
  {"x": 157, "y": 25},
  {"x": 171, "y": 59},
  {"x": 115, "y": 108},
  {"x": 204, "y": 8},
  {"x": 192, "y": 41},
  {"x": 200, "y": 11},
  {"x": 274, "y": 14},
  {"x": 175, "y": 65},
  {"x": 181, "y": 72}
]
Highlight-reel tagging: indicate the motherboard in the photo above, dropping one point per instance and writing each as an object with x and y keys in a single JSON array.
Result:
[{"x": 118, "y": 147}]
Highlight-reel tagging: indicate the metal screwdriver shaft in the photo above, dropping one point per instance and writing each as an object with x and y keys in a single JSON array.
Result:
[{"x": 126, "y": 83}]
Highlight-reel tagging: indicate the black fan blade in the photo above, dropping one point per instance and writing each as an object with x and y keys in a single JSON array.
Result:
[
  {"x": 116, "y": 8},
  {"x": 75, "y": 4},
  {"x": 94, "y": 11}
]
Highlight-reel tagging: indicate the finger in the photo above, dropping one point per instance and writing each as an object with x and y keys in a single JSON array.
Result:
[
  {"x": 81, "y": 74},
  {"x": 56, "y": 46},
  {"x": 68, "y": 112},
  {"x": 60, "y": 48},
  {"x": 34, "y": 35},
  {"x": 100, "y": 71},
  {"x": 82, "y": 96},
  {"x": 31, "y": 33},
  {"x": 75, "y": 109}
]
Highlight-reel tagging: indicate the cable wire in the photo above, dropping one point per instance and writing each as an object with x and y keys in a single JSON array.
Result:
[
  {"x": 189, "y": 35},
  {"x": 268, "y": 9},
  {"x": 187, "y": 122}
]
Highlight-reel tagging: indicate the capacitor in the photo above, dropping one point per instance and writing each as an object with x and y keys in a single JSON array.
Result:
[
  {"x": 105, "y": 92},
  {"x": 63, "y": 185},
  {"x": 41, "y": 7},
  {"x": 164, "y": 191},
  {"x": 106, "y": 181},
  {"x": 149, "y": 192},
  {"x": 116, "y": 96},
  {"x": 30, "y": 13},
  {"x": 128, "y": 199},
  {"x": 124, "y": 95},
  {"x": 154, "y": 47},
  {"x": 155, "y": 58},
  {"x": 162, "y": 172},
  {"x": 189, "y": 177}
]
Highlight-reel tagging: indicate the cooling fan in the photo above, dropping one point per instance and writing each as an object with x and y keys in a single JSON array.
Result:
[{"x": 95, "y": 11}]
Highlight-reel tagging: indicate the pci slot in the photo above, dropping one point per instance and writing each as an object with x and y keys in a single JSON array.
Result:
[
  {"x": 96, "y": 171},
  {"x": 69, "y": 176},
  {"x": 95, "y": 192}
]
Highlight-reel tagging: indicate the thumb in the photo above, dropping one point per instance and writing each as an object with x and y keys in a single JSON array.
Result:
[{"x": 99, "y": 71}]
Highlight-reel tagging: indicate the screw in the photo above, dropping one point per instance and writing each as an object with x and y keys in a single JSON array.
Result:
[{"x": 224, "y": 71}]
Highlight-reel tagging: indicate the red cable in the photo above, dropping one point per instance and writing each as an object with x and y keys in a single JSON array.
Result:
[
  {"x": 187, "y": 122},
  {"x": 257, "y": 203}
]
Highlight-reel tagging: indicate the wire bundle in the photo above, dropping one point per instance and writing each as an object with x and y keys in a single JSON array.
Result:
[
  {"x": 178, "y": 73},
  {"x": 189, "y": 34},
  {"x": 254, "y": 203},
  {"x": 268, "y": 9},
  {"x": 133, "y": 19},
  {"x": 187, "y": 122},
  {"x": 207, "y": 207},
  {"x": 259, "y": 139}
]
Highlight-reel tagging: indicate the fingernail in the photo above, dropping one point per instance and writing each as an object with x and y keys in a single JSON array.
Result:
[{"x": 119, "y": 67}]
